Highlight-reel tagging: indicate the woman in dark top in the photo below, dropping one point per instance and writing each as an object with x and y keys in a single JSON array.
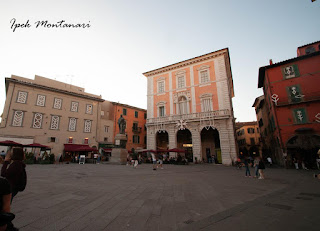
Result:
[
  {"x": 5, "y": 199},
  {"x": 13, "y": 170}
]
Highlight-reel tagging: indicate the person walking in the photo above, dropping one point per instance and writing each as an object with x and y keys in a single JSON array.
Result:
[
  {"x": 261, "y": 168},
  {"x": 269, "y": 161},
  {"x": 154, "y": 161},
  {"x": 256, "y": 166},
  {"x": 160, "y": 162},
  {"x": 13, "y": 169},
  {"x": 246, "y": 165}
]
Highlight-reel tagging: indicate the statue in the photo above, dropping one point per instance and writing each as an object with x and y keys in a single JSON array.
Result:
[{"x": 122, "y": 125}]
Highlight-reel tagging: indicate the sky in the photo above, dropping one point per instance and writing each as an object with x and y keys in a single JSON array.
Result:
[{"x": 129, "y": 37}]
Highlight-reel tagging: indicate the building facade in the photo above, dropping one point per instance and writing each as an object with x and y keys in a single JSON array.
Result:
[
  {"x": 135, "y": 124},
  {"x": 292, "y": 98},
  {"x": 189, "y": 107},
  {"x": 65, "y": 117},
  {"x": 49, "y": 112},
  {"x": 248, "y": 139}
]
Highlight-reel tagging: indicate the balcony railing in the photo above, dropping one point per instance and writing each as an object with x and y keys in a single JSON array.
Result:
[
  {"x": 136, "y": 129},
  {"x": 219, "y": 114}
]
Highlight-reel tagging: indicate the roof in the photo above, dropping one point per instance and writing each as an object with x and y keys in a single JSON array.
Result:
[
  {"x": 30, "y": 84},
  {"x": 258, "y": 100},
  {"x": 242, "y": 124},
  {"x": 128, "y": 106},
  {"x": 263, "y": 69},
  {"x": 308, "y": 44},
  {"x": 175, "y": 64}
]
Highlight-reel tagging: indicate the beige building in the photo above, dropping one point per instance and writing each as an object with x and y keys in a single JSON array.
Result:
[
  {"x": 190, "y": 108},
  {"x": 53, "y": 113}
]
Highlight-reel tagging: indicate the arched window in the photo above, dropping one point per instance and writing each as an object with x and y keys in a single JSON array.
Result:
[{"x": 182, "y": 105}]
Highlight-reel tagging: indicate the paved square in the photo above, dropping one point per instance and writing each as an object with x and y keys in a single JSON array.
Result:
[{"x": 193, "y": 197}]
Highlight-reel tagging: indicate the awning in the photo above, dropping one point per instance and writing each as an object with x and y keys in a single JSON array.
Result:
[
  {"x": 9, "y": 143},
  {"x": 78, "y": 148},
  {"x": 36, "y": 145},
  {"x": 176, "y": 150}
]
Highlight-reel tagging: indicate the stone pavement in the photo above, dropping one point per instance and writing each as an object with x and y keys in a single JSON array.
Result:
[{"x": 193, "y": 197}]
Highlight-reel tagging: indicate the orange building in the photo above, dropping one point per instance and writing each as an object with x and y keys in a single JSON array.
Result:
[
  {"x": 190, "y": 107},
  {"x": 135, "y": 124},
  {"x": 292, "y": 97}
]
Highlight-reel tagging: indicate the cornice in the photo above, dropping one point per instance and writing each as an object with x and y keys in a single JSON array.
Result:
[
  {"x": 53, "y": 89},
  {"x": 187, "y": 62}
]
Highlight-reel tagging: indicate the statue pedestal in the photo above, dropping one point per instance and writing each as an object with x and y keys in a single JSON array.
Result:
[{"x": 119, "y": 154}]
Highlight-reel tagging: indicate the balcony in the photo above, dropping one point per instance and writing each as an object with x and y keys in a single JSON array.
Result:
[
  {"x": 136, "y": 129},
  {"x": 219, "y": 114}
]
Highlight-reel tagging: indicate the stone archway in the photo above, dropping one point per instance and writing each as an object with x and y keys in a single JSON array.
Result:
[
  {"x": 184, "y": 141},
  {"x": 303, "y": 147},
  {"x": 162, "y": 140},
  {"x": 210, "y": 144}
]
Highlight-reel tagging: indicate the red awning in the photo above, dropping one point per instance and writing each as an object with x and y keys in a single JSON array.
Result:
[
  {"x": 176, "y": 150},
  {"x": 107, "y": 149},
  {"x": 36, "y": 145},
  {"x": 78, "y": 148},
  {"x": 9, "y": 143}
]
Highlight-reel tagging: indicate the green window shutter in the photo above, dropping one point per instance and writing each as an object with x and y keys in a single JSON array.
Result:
[
  {"x": 296, "y": 70},
  {"x": 300, "y": 115}
]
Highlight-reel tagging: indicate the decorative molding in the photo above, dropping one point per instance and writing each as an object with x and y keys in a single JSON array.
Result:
[
  {"x": 185, "y": 63},
  {"x": 176, "y": 96}
]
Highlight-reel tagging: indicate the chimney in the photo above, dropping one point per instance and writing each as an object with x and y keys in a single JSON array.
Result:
[{"x": 270, "y": 61}]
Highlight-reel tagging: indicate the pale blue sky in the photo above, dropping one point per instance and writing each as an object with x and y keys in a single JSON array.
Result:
[{"x": 127, "y": 38}]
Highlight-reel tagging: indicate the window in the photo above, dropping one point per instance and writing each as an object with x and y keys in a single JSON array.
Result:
[
  {"x": 204, "y": 74},
  {"x": 17, "y": 119},
  {"x": 55, "y": 122},
  {"x": 136, "y": 139},
  {"x": 161, "y": 111},
  {"x": 74, "y": 106},
  {"x": 252, "y": 141},
  {"x": 72, "y": 124},
  {"x": 206, "y": 102},
  {"x": 70, "y": 140},
  {"x": 300, "y": 115},
  {"x": 86, "y": 141},
  {"x": 89, "y": 109},
  {"x": 290, "y": 71},
  {"x": 57, "y": 103},
  {"x": 204, "y": 77},
  {"x": 310, "y": 50},
  {"x": 52, "y": 139},
  {"x": 105, "y": 139},
  {"x": 87, "y": 125},
  {"x": 182, "y": 105},
  {"x": 145, "y": 115},
  {"x": 250, "y": 130},
  {"x": 106, "y": 129},
  {"x": 22, "y": 97},
  {"x": 294, "y": 93},
  {"x": 161, "y": 87},
  {"x": 135, "y": 126},
  {"x": 136, "y": 114},
  {"x": 37, "y": 120},
  {"x": 260, "y": 122},
  {"x": 181, "y": 81},
  {"x": 257, "y": 130},
  {"x": 124, "y": 111},
  {"x": 41, "y": 100}
]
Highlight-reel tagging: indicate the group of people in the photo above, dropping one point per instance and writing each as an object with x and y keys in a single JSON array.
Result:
[
  {"x": 13, "y": 180},
  {"x": 258, "y": 165}
]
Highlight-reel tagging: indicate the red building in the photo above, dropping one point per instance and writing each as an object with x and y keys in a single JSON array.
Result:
[{"x": 292, "y": 96}]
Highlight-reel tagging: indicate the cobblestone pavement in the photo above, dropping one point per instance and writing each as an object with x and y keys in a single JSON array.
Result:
[{"x": 193, "y": 197}]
